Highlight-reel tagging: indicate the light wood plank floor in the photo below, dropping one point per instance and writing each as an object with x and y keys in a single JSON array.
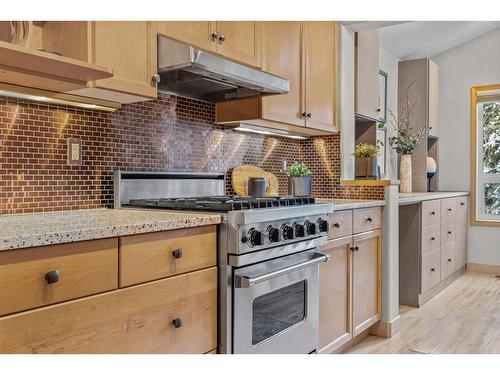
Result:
[{"x": 463, "y": 318}]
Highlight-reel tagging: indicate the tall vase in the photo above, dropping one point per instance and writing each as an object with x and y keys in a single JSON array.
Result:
[{"x": 405, "y": 174}]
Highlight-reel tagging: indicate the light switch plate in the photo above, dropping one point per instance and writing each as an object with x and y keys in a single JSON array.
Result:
[{"x": 74, "y": 151}]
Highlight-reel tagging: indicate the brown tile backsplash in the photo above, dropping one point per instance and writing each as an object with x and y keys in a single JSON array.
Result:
[{"x": 168, "y": 134}]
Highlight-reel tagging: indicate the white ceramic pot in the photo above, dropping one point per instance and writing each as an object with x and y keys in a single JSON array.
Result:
[{"x": 405, "y": 174}]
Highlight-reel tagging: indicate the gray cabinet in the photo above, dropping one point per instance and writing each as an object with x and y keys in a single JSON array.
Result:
[
  {"x": 367, "y": 68},
  {"x": 432, "y": 247}
]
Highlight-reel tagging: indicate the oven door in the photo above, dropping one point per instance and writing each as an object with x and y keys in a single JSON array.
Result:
[{"x": 276, "y": 305}]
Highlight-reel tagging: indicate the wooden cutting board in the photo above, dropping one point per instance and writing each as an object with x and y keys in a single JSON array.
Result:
[{"x": 241, "y": 174}]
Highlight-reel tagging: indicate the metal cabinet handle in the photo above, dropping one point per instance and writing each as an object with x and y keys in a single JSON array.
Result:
[
  {"x": 449, "y": 232},
  {"x": 303, "y": 114},
  {"x": 433, "y": 238},
  {"x": 336, "y": 225},
  {"x": 177, "y": 322},
  {"x": 155, "y": 79},
  {"x": 248, "y": 281},
  {"x": 52, "y": 277},
  {"x": 433, "y": 213},
  {"x": 432, "y": 269},
  {"x": 214, "y": 36},
  {"x": 177, "y": 253},
  {"x": 462, "y": 203},
  {"x": 308, "y": 115},
  {"x": 222, "y": 38},
  {"x": 369, "y": 219},
  {"x": 449, "y": 209},
  {"x": 449, "y": 260}
]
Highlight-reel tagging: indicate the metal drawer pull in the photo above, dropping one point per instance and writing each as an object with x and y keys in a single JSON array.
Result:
[
  {"x": 177, "y": 322},
  {"x": 52, "y": 277},
  {"x": 462, "y": 203},
  {"x": 247, "y": 281},
  {"x": 433, "y": 213},
  {"x": 336, "y": 225},
  {"x": 449, "y": 209},
  {"x": 177, "y": 253},
  {"x": 432, "y": 269},
  {"x": 433, "y": 238},
  {"x": 355, "y": 248},
  {"x": 214, "y": 36},
  {"x": 449, "y": 232},
  {"x": 369, "y": 219},
  {"x": 449, "y": 260}
]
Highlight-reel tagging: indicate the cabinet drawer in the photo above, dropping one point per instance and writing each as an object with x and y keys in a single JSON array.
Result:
[
  {"x": 448, "y": 210},
  {"x": 340, "y": 224},
  {"x": 84, "y": 268},
  {"x": 431, "y": 213},
  {"x": 431, "y": 238},
  {"x": 431, "y": 270},
  {"x": 447, "y": 233},
  {"x": 138, "y": 319},
  {"x": 367, "y": 219},
  {"x": 153, "y": 256},
  {"x": 447, "y": 260}
]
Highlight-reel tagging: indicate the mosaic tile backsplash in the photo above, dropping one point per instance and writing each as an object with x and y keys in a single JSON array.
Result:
[{"x": 167, "y": 134}]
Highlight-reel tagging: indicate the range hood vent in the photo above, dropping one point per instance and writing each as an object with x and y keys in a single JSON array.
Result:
[{"x": 187, "y": 71}]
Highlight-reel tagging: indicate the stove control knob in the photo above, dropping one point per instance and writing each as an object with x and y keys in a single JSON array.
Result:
[
  {"x": 288, "y": 232},
  {"x": 299, "y": 230},
  {"x": 322, "y": 225},
  {"x": 310, "y": 228},
  {"x": 274, "y": 234},
  {"x": 256, "y": 237}
]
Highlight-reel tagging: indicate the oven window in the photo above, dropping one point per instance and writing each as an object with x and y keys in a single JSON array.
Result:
[{"x": 276, "y": 311}]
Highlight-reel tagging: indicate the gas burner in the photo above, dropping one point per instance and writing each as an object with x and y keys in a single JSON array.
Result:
[{"x": 221, "y": 203}]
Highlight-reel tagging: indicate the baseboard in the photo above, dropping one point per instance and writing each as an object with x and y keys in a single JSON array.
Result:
[
  {"x": 386, "y": 329},
  {"x": 493, "y": 269}
]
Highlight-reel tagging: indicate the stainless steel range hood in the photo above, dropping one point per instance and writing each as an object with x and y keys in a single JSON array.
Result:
[{"x": 188, "y": 71}]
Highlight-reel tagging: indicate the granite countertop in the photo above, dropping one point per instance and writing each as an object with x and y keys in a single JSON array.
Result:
[
  {"x": 48, "y": 228},
  {"x": 349, "y": 204},
  {"x": 417, "y": 197}
]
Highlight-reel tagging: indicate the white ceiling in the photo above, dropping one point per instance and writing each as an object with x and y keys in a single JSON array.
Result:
[{"x": 413, "y": 40}]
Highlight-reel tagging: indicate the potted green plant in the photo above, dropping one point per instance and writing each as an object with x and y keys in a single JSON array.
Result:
[
  {"x": 299, "y": 180},
  {"x": 406, "y": 139},
  {"x": 366, "y": 161}
]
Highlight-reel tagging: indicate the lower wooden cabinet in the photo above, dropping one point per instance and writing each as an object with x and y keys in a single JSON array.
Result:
[
  {"x": 366, "y": 265},
  {"x": 138, "y": 319},
  {"x": 350, "y": 294},
  {"x": 335, "y": 295}
]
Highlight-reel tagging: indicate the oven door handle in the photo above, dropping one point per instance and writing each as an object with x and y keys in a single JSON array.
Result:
[{"x": 242, "y": 281}]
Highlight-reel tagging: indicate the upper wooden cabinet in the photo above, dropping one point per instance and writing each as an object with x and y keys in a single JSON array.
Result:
[
  {"x": 196, "y": 33},
  {"x": 305, "y": 53},
  {"x": 320, "y": 73},
  {"x": 126, "y": 48},
  {"x": 367, "y": 70},
  {"x": 283, "y": 62},
  {"x": 236, "y": 40}
]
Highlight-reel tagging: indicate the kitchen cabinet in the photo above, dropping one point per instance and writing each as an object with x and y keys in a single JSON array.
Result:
[
  {"x": 126, "y": 48},
  {"x": 305, "y": 53},
  {"x": 423, "y": 77},
  {"x": 366, "y": 73},
  {"x": 171, "y": 310},
  {"x": 350, "y": 294},
  {"x": 366, "y": 263},
  {"x": 50, "y": 60},
  {"x": 320, "y": 83},
  {"x": 335, "y": 295},
  {"x": 196, "y": 33},
  {"x": 432, "y": 247},
  {"x": 283, "y": 62},
  {"x": 236, "y": 40}
]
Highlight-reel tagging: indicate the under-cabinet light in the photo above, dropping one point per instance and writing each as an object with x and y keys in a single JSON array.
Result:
[{"x": 244, "y": 128}]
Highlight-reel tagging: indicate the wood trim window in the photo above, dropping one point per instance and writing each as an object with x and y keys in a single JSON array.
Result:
[{"x": 485, "y": 155}]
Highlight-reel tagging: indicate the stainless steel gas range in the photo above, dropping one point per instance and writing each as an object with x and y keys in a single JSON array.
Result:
[{"x": 268, "y": 258}]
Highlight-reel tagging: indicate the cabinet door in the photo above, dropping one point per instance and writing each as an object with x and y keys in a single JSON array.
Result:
[
  {"x": 335, "y": 295},
  {"x": 320, "y": 74},
  {"x": 281, "y": 55},
  {"x": 241, "y": 41},
  {"x": 447, "y": 260},
  {"x": 196, "y": 33},
  {"x": 366, "y": 281},
  {"x": 367, "y": 67},
  {"x": 433, "y": 100},
  {"x": 125, "y": 47},
  {"x": 462, "y": 222}
]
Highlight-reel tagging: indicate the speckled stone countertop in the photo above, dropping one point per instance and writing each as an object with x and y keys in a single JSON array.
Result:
[
  {"x": 410, "y": 198},
  {"x": 350, "y": 204},
  {"x": 38, "y": 229}
]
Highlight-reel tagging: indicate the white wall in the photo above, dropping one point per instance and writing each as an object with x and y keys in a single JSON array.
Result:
[
  {"x": 474, "y": 63},
  {"x": 389, "y": 64}
]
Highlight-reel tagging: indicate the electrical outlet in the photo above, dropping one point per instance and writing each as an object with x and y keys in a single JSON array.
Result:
[
  {"x": 284, "y": 165},
  {"x": 74, "y": 151}
]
